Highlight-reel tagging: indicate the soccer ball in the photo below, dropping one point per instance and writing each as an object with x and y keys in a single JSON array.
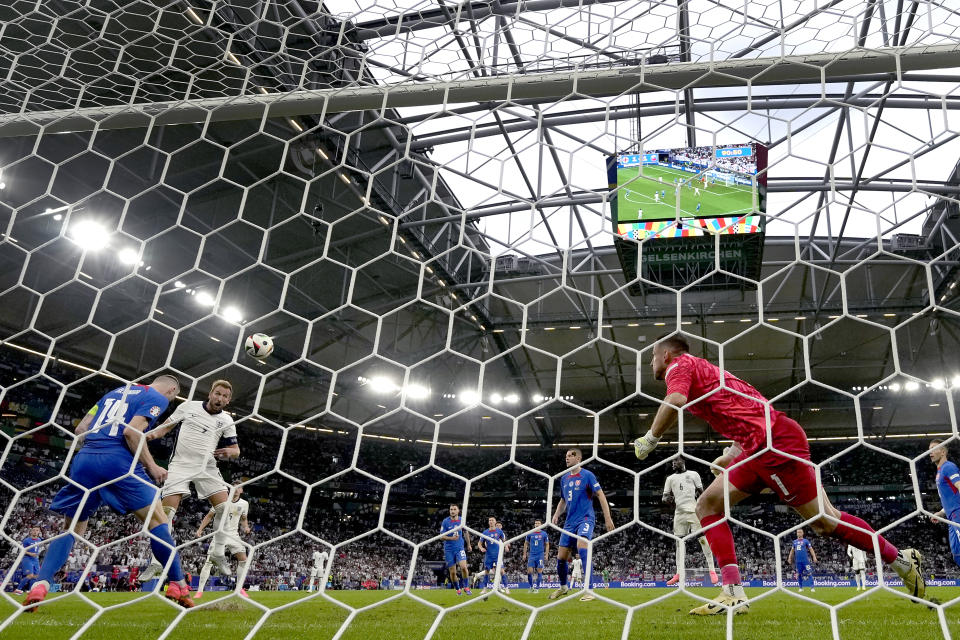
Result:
[{"x": 259, "y": 345}]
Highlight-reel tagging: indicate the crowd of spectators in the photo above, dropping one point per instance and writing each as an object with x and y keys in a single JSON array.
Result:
[{"x": 704, "y": 157}]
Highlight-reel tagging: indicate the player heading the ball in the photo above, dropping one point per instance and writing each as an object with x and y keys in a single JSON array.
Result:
[
  {"x": 578, "y": 488},
  {"x": 207, "y": 434},
  {"x": 736, "y": 410}
]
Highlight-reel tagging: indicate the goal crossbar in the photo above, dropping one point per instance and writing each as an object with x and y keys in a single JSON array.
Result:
[{"x": 541, "y": 86}]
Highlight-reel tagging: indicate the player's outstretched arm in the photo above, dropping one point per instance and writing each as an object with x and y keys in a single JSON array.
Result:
[
  {"x": 245, "y": 525},
  {"x": 526, "y": 549},
  {"x": 162, "y": 430},
  {"x": 813, "y": 554},
  {"x": 790, "y": 557},
  {"x": 466, "y": 538},
  {"x": 133, "y": 434},
  {"x": 605, "y": 507},
  {"x": 938, "y": 514},
  {"x": 206, "y": 520},
  {"x": 561, "y": 507},
  {"x": 84, "y": 423},
  {"x": 665, "y": 419}
]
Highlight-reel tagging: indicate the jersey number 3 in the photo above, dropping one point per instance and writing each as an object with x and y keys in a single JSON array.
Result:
[{"x": 111, "y": 409}]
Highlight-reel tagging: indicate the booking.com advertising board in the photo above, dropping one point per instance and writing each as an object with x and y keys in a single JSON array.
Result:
[{"x": 817, "y": 582}]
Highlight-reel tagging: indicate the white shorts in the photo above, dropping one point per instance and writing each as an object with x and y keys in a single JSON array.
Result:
[
  {"x": 316, "y": 571},
  {"x": 207, "y": 481},
  {"x": 233, "y": 544},
  {"x": 859, "y": 566},
  {"x": 685, "y": 523}
]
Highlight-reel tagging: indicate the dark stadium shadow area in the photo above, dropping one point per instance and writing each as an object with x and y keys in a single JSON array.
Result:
[
  {"x": 802, "y": 297},
  {"x": 462, "y": 437},
  {"x": 873, "y": 485},
  {"x": 822, "y": 412},
  {"x": 418, "y": 505},
  {"x": 343, "y": 507},
  {"x": 413, "y": 333},
  {"x": 318, "y": 447},
  {"x": 388, "y": 456},
  {"x": 849, "y": 352},
  {"x": 599, "y": 374}
]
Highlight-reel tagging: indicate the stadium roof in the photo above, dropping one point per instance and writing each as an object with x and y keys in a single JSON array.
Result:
[{"x": 398, "y": 265}]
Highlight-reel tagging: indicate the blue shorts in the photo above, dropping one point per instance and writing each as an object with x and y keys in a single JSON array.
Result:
[
  {"x": 803, "y": 569},
  {"x": 535, "y": 563},
  {"x": 454, "y": 556},
  {"x": 953, "y": 534},
  {"x": 489, "y": 563},
  {"x": 92, "y": 469},
  {"x": 29, "y": 565},
  {"x": 582, "y": 529}
]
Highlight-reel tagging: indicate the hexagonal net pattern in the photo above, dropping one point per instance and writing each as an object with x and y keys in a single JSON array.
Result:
[{"x": 465, "y": 228}]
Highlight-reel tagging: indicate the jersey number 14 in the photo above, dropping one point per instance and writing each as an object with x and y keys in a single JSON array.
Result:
[{"x": 112, "y": 408}]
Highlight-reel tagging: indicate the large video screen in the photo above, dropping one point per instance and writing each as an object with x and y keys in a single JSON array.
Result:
[{"x": 691, "y": 191}]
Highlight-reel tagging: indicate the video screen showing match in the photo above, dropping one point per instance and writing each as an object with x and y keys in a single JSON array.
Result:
[{"x": 724, "y": 182}]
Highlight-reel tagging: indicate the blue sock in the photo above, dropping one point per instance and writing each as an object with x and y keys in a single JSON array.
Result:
[
  {"x": 530, "y": 580},
  {"x": 583, "y": 564},
  {"x": 539, "y": 579},
  {"x": 162, "y": 552},
  {"x": 465, "y": 583},
  {"x": 24, "y": 584},
  {"x": 562, "y": 571},
  {"x": 57, "y": 554}
]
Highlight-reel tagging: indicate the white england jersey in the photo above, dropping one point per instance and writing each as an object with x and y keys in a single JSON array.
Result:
[
  {"x": 683, "y": 487},
  {"x": 858, "y": 556},
  {"x": 231, "y": 517},
  {"x": 319, "y": 559},
  {"x": 200, "y": 433}
]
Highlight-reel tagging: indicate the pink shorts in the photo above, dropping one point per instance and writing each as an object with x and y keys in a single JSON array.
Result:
[{"x": 792, "y": 480}]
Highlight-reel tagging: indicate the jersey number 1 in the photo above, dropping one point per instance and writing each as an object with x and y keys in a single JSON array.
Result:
[{"x": 111, "y": 409}]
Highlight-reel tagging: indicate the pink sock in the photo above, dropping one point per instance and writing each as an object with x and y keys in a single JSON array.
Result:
[
  {"x": 720, "y": 539},
  {"x": 730, "y": 574},
  {"x": 862, "y": 539}
]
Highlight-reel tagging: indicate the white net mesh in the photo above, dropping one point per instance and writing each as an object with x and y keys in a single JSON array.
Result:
[{"x": 414, "y": 203}]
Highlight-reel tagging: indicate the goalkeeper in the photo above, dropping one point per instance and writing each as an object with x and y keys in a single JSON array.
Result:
[{"x": 736, "y": 410}]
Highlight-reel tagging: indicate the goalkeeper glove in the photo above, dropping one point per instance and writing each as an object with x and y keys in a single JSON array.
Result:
[{"x": 644, "y": 445}]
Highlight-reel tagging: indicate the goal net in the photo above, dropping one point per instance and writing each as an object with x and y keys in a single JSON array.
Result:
[{"x": 464, "y": 226}]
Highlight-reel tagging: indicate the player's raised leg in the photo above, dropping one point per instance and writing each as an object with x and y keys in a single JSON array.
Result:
[
  {"x": 906, "y": 563},
  {"x": 710, "y": 510}
]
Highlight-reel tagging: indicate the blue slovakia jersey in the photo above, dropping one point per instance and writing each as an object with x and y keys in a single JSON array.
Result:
[
  {"x": 493, "y": 548},
  {"x": 578, "y": 490},
  {"x": 115, "y": 410},
  {"x": 450, "y": 524},
  {"x": 537, "y": 543},
  {"x": 32, "y": 544},
  {"x": 947, "y": 477},
  {"x": 800, "y": 546}
]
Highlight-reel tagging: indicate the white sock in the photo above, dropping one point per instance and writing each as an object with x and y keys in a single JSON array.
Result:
[
  {"x": 204, "y": 575},
  {"x": 901, "y": 565},
  {"x": 707, "y": 553},
  {"x": 242, "y": 573}
]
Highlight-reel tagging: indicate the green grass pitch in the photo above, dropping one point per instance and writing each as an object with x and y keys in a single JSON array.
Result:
[
  {"x": 637, "y": 193},
  {"x": 879, "y": 616}
]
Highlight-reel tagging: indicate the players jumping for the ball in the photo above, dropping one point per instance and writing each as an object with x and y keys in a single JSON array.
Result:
[
  {"x": 104, "y": 471},
  {"x": 737, "y": 411},
  {"x": 454, "y": 552},
  {"x": 207, "y": 434},
  {"x": 681, "y": 491},
  {"x": 948, "y": 486},
  {"x": 536, "y": 548},
  {"x": 578, "y": 488}
]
